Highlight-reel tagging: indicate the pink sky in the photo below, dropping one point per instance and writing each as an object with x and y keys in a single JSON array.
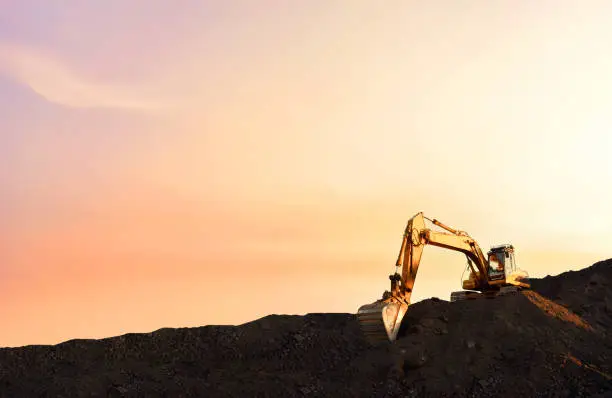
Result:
[{"x": 170, "y": 166}]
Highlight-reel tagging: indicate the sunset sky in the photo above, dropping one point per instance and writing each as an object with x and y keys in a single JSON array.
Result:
[{"x": 185, "y": 163}]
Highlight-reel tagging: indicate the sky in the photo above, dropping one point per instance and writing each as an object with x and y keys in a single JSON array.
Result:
[{"x": 179, "y": 164}]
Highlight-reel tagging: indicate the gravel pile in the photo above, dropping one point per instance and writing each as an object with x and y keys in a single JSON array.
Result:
[{"x": 553, "y": 341}]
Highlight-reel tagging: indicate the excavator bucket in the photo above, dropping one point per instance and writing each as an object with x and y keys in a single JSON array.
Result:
[{"x": 381, "y": 320}]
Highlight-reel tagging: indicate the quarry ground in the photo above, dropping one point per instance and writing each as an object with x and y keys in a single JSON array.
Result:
[{"x": 552, "y": 341}]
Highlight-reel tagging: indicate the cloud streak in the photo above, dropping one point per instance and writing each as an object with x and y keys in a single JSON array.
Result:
[{"x": 56, "y": 81}]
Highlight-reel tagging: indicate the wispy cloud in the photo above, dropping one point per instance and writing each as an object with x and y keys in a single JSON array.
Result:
[{"x": 57, "y": 82}]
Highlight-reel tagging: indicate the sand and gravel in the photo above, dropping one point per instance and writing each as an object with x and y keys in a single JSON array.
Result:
[{"x": 553, "y": 341}]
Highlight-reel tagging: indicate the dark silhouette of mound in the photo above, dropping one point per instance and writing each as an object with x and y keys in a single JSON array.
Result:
[{"x": 553, "y": 341}]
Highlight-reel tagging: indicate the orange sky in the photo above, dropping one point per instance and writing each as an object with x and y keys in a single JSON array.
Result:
[{"x": 212, "y": 163}]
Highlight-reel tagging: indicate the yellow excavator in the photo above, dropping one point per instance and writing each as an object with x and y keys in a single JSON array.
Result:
[{"x": 489, "y": 277}]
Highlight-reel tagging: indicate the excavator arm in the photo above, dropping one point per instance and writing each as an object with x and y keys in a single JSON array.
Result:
[{"x": 390, "y": 310}]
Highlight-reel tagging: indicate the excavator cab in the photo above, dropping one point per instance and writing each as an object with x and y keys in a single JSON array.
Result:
[
  {"x": 501, "y": 273},
  {"x": 501, "y": 261},
  {"x": 513, "y": 276},
  {"x": 502, "y": 269}
]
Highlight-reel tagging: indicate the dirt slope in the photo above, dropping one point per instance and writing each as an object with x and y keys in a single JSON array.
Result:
[{"x": 553, "y": 341}]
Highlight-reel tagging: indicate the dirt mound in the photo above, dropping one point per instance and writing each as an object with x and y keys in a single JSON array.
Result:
[{"x": 551, "y": 341}]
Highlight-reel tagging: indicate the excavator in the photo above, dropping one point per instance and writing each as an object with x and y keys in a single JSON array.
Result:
[{"x": 489, "y": 277}]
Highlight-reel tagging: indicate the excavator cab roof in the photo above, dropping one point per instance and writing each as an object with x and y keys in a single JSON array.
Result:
[
  {"x": 506, "y": 249},
  {"x": 501, "y": 248}
]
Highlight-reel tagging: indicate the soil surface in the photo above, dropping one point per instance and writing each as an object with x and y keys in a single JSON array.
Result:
[{"x": 552, "y": 341}]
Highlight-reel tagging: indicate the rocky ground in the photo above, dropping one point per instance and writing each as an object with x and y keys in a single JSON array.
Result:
[{"x": 553, "y": 341}]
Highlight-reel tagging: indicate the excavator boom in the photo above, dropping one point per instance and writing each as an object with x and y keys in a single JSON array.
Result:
[{"x": 382, "y": 319}]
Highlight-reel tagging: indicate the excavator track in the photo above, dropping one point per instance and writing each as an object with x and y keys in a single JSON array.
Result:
[
  {"x": 510, "y": 290},
  {"x": 465, "y": 295},
  {"x": 472, "y": 295}
]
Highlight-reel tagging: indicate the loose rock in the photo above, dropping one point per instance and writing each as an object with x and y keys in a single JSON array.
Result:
[{"x": 551, "y": 341}]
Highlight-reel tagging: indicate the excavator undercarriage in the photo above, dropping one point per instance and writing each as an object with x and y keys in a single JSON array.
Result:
[
  {"x": 474, "y": 295},
  {"x": 488, "y": 278}
]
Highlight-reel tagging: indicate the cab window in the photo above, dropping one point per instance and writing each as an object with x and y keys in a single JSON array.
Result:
[{"x": 494, "y": 263}]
